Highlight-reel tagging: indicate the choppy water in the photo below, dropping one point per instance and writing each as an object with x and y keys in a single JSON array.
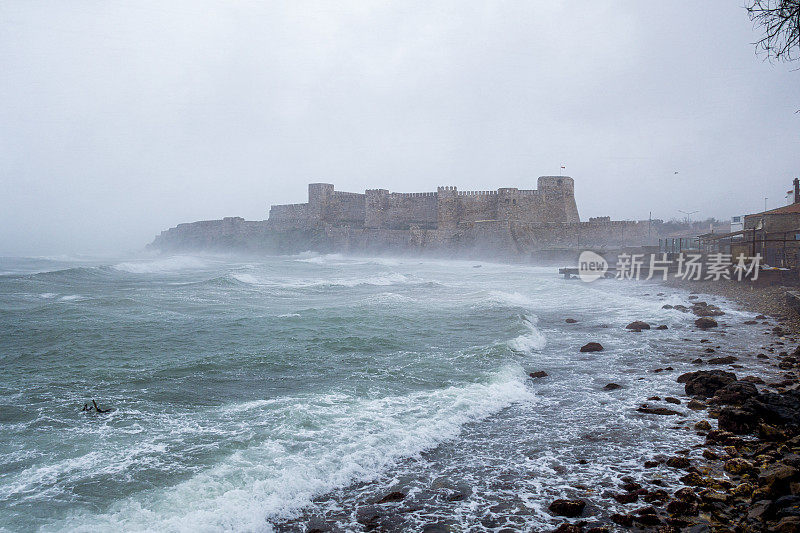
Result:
[{"x": 247, "y": 393}]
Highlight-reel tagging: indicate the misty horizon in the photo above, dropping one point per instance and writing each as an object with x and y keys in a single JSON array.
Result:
[{"x": 123, "y": 120}]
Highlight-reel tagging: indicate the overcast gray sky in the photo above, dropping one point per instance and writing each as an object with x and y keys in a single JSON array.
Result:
[{"x": 120, "y": 119}]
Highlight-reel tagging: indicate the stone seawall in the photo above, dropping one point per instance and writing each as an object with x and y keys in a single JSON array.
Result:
[{"x": 505, "y": 240}]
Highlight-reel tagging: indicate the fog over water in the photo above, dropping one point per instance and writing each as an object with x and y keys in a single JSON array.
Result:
[{"x": 120, "y": 119}]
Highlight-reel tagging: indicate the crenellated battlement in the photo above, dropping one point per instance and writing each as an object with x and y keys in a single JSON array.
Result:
[{"x": 447, "y": 208}]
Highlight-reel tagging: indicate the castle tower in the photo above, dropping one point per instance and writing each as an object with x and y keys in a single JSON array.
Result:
[
  {"x": 447, "y": 207},
  {"x": 558, "y": 193},
  {"x": 319, "y": 196}
]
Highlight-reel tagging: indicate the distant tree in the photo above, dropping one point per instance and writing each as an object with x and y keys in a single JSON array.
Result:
[{"x": 780, "y": 21}]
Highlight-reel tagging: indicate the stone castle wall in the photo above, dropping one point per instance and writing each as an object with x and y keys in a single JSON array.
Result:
[{"x": 447, "y": 208}]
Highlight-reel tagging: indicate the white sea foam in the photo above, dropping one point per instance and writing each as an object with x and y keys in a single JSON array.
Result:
[
  {"x": 72, "y": 298},
  {"x": 170, "y": 264},
  {"x": 245, "y": 278},
  {"x": 391, "y": 298},
  {"x": 361, "y": 437},
  {"x": 532, "y": 340},
  {"x": 48, "y": 295},
  {"x": 511, "y": 298}
]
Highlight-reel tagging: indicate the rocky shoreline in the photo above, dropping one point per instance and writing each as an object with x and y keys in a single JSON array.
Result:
[
  {"x": 744, "y": 477},
  {"x": 749, "y": 476}
]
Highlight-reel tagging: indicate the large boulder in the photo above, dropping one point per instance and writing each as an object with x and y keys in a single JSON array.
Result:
[
  {"x": 638, "y": 325},
  {"x": 592, "y": 347},
  {"x": 568, "y": 508},
  {"x": 705, "y": 323},
  {"x": 738, "y": 421},
  {"x": 705, "y": 383},
  {"x": 735, "y": 393},
  {"x": 777, "y": 409}
]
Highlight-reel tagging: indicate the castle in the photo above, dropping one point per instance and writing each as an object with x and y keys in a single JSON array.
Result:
[
  {"x": 447, "y": 208},
  {"x": 514, "y": 224}
]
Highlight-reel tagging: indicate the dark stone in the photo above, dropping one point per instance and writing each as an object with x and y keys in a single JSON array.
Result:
[
  {"x": 368, "y": 515},
  {"x": 728, "y": 359},
  {"x": 566, "y": 527},
  {"x": 651, "y": 464},
  {"x": 670, "y": 399},
  {"x": 626, "y": 497},
  {"x": 705, "y": 383},
  {"x": 612, "y": 386},
  {"x": 738, "y": 421},
  {"x": 570, "y": 321},
  {"x": 777, "y": 409},
  {"x": 662, "y": 327},
  {"x": 678, "y": 462},
  {"x": 568, "y": 508},
  {"x": 657, "y": 411},
  {"x": 682, "y": 508},
  {"x": 705, "y": 323},
  {"x": 395, "y": 496},
  {"x": 686, "y": 494},
  {"x": 624, "y": 520},
  {"x": 736, "y": 392},
  {"x": 538, "y": 374},
  {"x": 592, "y": 347},
  {"x": 638, "y": 324}
]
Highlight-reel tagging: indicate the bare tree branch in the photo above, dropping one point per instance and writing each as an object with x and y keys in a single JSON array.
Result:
[{"x": 780, "y": 21}]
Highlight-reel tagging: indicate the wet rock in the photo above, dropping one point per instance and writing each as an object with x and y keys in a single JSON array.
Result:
[
  {"x": 666, "y": 306},
  {"x": 624, "y": 520},
  {"x": 693, "y": 479},
  {"x": 568, "y": 508},
  {"x": 787, "y": 524},
  {"x": 648, "y": 520},
  {"x": 678, "y": 462},
  {"x": 738, "y": 421},
  {"x": 686, "y": 494},
  {"x": 743, "y": 490},
  {"x": 570, "y": 321},
  {"x": 696, "y": 405},
  {"x": 705, "y": 323},
  {"x": 654, "y": 399},
  {"x": 538, "y": 374},
  {"x": 736, "y": 393},
  {"x": 627, "y": 497},
  {"x": 750, "y": 322},
  {"x": 612, "y": 386},
  {"x": 638, "y": 325},
  {"x": 777, "y": 409},
  {"x": 703, "y": 425},
  {"x": 682, "y": 508},
  {"x": 566, "y": 527},
  {"x": 737, "y": 466},
  {"x": 670, "y": 399},
  {"x": 317, "y": 524},
  {"x": 728, "y": 359},
  {"x": 368, "y": 515},
  {"x": 657, "y": 411},
  {"x": 395, "y": 496},
  {"x": 662, "y": 327},
  {"x": 592, "y": 347},
  {"x": 659, "y": 495},
  {"x": 770, "y": 433},
  {"x": 651, "y": 464},
  {"x": 753, "y": 379},
  {"x": 705, "y": 383},
  {"x": 711, "y": 456},
  {"x": 436, "y": 528},
  {"x": 776, "y": 479}
]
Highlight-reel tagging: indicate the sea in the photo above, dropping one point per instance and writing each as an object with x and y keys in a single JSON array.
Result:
[{"x": 269, "y": 393}]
